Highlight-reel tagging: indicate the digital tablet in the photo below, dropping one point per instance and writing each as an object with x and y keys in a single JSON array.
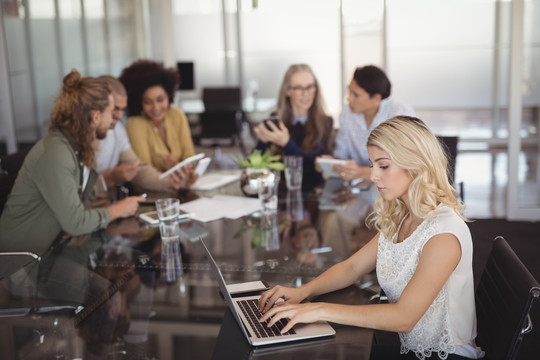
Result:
[
  {"x": 202, "y": 166},
  {"x": 189, "y": 160},
  {"x": 326, "y": 166}
]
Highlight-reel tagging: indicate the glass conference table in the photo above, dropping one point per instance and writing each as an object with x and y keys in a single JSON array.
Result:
[{"x": 122, "y": 293}]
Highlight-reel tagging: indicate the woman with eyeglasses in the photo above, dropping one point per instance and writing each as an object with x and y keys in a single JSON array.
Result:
[
  {"x": 369, "y": 105},
  {"x": 302, "y": 128}
]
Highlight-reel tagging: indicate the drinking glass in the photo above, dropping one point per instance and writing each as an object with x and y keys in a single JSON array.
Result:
[
  {"x": 293, "y": 172},
  {"x": 295, "y": 205},
  {"x": 171, "y": 261},
  {"x": 268, "y": 189},
  {"x": 168, "y": 209},
  {"x": 269, "y": 231}
]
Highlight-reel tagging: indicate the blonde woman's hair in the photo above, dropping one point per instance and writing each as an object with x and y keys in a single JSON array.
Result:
[{"x": 413, "y": 147}]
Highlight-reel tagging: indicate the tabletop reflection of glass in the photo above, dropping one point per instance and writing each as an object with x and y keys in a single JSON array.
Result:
[{"x": 125, "y": 292}]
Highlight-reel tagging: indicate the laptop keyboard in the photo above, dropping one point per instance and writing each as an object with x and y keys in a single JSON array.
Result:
[{"x": 250, "y": 309}]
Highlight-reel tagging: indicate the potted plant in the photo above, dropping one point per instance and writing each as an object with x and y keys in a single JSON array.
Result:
[{"x": 258, "y": 164}]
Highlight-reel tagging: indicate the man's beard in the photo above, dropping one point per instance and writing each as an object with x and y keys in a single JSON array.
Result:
[{"x": 101, "y": 133}]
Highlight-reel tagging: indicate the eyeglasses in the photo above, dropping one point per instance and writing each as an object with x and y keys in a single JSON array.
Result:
[{"x": 299, "y": 90}]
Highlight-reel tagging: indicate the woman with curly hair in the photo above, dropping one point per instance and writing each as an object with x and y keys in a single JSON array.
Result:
[
  {"x": 422, "y": 254},
  {"x": 304, "y": 128},
  {"x": 159, "y": 134},
  {"x": 51, "y": 196}
]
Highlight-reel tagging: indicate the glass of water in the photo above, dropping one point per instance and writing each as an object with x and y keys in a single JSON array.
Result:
[
  {"x": 171, "y": 260},
  {"x": 268, "y": 192},
  {"x": 293, "y": 172},
  {"x": 168, "y": 209}
]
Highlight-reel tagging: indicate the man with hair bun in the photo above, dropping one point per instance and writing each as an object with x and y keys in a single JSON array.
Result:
[{"x": 51, "y": 196}]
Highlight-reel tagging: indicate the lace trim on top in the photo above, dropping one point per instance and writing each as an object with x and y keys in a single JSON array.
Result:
[{"x": 396, "y": 264}]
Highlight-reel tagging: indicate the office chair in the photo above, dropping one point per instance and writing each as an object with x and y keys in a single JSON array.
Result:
[
  {"x": 10, "y": 305},
  {"x": 504, "y": 297},
  {"x": 9, "y": 168},
  {"x": 450, "y": 144},
  {"x": 12, "y": 261},
  {"x": 221, "y": 122}
]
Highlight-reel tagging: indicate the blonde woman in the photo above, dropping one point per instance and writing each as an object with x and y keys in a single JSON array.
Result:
[{"x": 422, "y": 254}]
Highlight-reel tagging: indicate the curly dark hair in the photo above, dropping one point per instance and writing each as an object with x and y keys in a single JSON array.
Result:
[
  {"x": 143, "y": 74},
  {"x": 72, "y": 111}
]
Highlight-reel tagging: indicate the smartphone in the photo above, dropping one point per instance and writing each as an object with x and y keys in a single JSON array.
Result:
[
  {"x": 202, "y": 165},
  {"x": 274, "y": 120},
  {"x": 193, "y": 231},
  {"x": 152, "y": 218}
]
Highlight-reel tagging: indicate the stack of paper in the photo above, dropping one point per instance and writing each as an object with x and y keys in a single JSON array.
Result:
[
  {"x": 213, "y": 181},
  {"x": 221, "y": 206}
]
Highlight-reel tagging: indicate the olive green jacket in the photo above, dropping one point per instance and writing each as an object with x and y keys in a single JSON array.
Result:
[{"x": 47, "y": 198}]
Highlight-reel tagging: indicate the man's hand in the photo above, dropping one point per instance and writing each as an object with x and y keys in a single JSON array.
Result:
[
  {"x": 121, "y": 174},
  {"x": 125, "y": 208}
]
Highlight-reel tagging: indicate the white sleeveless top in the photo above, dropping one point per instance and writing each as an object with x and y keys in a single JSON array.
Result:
[{"x": 449, "y": 324}]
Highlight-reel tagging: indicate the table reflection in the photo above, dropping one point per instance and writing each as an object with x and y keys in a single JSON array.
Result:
[{"x": 126, "y": 293}]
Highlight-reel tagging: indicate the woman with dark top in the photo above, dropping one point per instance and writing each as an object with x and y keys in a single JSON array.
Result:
[{"x": 303, "y": 128}]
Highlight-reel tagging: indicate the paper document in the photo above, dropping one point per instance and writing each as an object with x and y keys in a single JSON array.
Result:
[
  {"x": 214, "y": 180},
  {"x": 221, "y": 206}
]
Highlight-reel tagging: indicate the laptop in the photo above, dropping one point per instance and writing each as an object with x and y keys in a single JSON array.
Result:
[{"x": 247, "y": 315}]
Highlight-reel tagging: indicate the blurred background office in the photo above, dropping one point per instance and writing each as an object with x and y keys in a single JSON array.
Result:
[{"x": 470, "y": 68}]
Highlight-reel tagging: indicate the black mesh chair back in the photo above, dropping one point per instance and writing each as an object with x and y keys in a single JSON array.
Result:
[
  {"x": 9, "y": 168},
  {"x": 504, "y": 296},
  {"x": 221, "y": 121},
  {"x": 450, "y": 145},
  {"x": 222, "y": 98}
]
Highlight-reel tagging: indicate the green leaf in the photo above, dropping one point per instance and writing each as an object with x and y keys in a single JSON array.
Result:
[
  {"x": 263, "y": 160},
  {"x": 257, "y": 240},
  {"x": 276, "y": 166}
]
